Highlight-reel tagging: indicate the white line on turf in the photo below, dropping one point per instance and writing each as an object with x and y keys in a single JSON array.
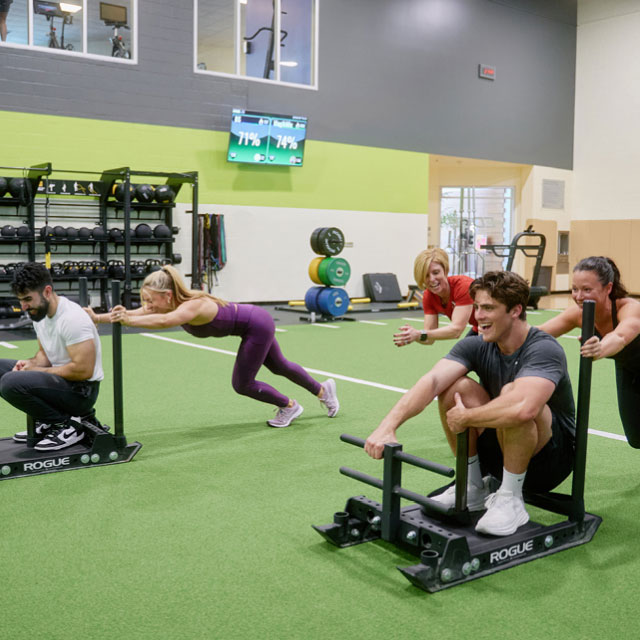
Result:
[
  {"x": 8, "y": 345},
  {"x": 367, "y": 383},
  {"x": 382, "y": 324},
  {"x": 281, "y": 330},
  {"x": 325, "y": 326},
  {"x": 571, "y": 337}
]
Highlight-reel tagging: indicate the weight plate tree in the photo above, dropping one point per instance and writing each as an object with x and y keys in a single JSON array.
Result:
[{"x": 327, "y": 301}]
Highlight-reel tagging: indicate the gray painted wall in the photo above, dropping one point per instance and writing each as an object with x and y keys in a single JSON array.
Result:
[{"x": 392, "y": 73}]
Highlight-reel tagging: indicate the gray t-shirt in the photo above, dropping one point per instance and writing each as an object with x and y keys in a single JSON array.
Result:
[{"x": 540, "y": 356}]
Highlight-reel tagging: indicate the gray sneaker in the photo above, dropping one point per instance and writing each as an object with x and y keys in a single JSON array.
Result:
[
  {"x": 286, "y": 415},
  {"x": 330, "y": 398}
]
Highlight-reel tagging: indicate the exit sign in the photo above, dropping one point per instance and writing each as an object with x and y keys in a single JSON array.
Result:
[{"x": 486, "y": 71}]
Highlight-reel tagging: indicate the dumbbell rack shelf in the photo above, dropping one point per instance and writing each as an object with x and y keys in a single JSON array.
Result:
[{"x": 88, "y": 198}]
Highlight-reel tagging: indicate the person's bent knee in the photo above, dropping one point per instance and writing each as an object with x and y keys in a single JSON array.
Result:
[
  {"x": 466, "y": 387},
  {"x": 11, "y": 383}
]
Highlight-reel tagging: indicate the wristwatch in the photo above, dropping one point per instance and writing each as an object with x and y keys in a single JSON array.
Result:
[{"x": 423, "y": 336}]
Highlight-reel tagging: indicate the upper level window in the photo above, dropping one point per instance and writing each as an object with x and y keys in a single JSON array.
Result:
[
  {"x": 88, "y": 27},
  {"x": 268, "y": 40}
]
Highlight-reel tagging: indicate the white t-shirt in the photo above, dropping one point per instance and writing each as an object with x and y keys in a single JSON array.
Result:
[{"x": 70, "y": 325}]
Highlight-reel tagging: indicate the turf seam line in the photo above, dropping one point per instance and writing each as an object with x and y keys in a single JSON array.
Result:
[
  {"x": 8, "y": 345},
  {"x": 367, "y": 383}
]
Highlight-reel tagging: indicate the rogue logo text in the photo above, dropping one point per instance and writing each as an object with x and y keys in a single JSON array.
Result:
[
  {"x": 39, "y": 465},
  {"x": 511, "y": 552}
]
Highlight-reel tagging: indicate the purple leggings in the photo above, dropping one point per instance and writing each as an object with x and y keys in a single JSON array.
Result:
[{"x": 259, "y": 346}]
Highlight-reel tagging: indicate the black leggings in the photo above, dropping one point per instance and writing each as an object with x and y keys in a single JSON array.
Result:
[
  {"x": 628, "y": 385},
  {"x": 46, "y": 397}
]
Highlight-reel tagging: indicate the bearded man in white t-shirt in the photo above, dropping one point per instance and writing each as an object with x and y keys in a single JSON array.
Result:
[{"x": 63, "y": 378}]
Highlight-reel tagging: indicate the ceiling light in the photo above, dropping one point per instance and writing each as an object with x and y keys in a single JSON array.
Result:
[{"x": 70, "y": 8}]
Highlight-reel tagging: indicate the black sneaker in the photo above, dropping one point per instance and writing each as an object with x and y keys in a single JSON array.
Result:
[
  {"x": 42, "y": 429},
  {"x": 61, "y": 435}
]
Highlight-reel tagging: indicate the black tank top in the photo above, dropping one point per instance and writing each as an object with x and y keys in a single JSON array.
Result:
[{"x": 629, "y": 357}]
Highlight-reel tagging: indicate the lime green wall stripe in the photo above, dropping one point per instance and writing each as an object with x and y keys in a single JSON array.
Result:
[{"x": 334, "y": 176}]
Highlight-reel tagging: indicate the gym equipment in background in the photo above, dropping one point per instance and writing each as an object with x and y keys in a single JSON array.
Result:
[
  {"x": 382, "y": 287},
  {"x": 451, "y": 552},
  {"x": 327, "y": 303},
  {"x": 97, "y": 448},
  {"x": 520, "y": 242},
  {"x": 211, "y": 248}
]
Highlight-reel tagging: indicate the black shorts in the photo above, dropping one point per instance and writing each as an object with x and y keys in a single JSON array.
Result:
[
  {"x": 547, "y": 469},
  {"x": 4, "y": 5}
]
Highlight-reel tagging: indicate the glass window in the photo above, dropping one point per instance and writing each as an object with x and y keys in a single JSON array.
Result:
[
  {"x": 107, "y": 29},
  {"x": 272, "y": 40},
  {"x": 14, "y": 21}
]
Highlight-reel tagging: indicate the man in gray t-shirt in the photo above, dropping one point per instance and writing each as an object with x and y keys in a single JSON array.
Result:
[{"x": 520, "y": 417}]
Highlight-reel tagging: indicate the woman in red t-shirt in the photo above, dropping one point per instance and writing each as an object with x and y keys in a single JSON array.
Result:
[{"x": 444, "y": 294}]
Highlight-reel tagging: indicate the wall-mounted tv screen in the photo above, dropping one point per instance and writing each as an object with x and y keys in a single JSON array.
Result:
[{"x": 266, "y": 138}]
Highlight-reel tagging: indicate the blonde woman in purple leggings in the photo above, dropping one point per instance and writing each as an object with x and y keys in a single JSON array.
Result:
[{"x": 167, "y": 302}]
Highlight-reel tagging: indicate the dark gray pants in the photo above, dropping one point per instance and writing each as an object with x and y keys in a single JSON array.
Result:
[{"x": 44, "y": 396}]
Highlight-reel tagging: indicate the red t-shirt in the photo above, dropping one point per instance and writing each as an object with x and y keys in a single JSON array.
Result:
[{"x": 458, "y": 296}]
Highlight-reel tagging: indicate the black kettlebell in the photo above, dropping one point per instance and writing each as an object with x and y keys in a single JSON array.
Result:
[
  {"x": 85, "y": 268},
  {"x": 115, "y": 235},
  {"x": 116, "y": 269},
  {"x": 8, "y": 231},
  {"x": 138, "y": 268},
  {"x": 152, "y": 264},
  {"x": 71, "y": 268},
  {"x": 57, "y": 269},
  {"x": 99, "y": 268}
]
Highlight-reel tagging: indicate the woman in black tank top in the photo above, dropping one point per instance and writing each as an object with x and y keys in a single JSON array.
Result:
[{"x": 617, "y": 333}]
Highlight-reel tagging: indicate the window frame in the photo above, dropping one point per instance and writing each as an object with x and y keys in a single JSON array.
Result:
[
  {"x": 84, "y": 53},
  {"x": 237, "y": 46}
]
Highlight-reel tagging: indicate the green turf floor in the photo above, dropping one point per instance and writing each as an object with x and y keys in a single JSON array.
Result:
[{"x": 207, "y": 533}]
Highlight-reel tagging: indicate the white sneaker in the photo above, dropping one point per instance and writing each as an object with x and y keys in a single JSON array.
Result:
[
  {"x": 60, "y": 436},
  {"x": 476, "y": 496},
  {"x": 505, "y": 513},
  {"x": 286, "y": 415},
  {"x": 329, "y": 397}
]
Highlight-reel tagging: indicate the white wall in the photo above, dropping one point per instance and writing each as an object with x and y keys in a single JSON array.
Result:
[
  {"x": 607, "y": 135},
  {"x": 268, "y": 250}
]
